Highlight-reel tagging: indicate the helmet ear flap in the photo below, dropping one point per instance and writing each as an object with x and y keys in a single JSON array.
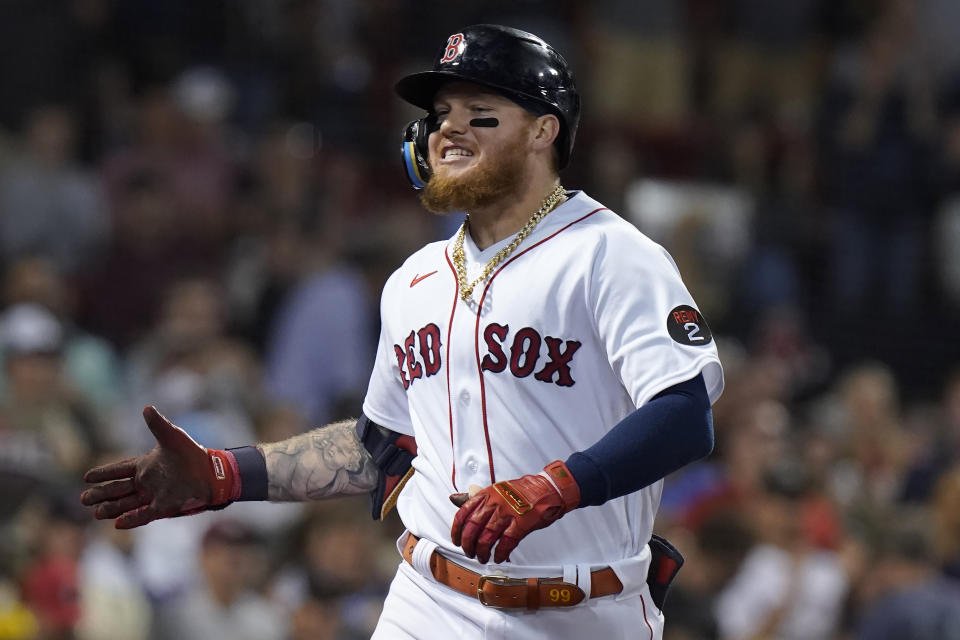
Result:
[{"x": 415, "y": 151}]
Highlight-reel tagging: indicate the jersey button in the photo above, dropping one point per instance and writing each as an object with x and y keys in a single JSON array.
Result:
[
  {"x": 465, "y": 397},
  {"x": 472, "y": 465}
]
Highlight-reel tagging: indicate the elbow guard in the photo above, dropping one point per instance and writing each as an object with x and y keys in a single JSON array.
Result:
[{"x": 393, "y": 454}]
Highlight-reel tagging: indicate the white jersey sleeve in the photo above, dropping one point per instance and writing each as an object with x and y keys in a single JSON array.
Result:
[
  {"x": 386, "y": 399},
  {"x": 653, "y": 332}
]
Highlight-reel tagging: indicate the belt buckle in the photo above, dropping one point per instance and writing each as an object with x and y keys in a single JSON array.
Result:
[{"x": 502, "y": 581}]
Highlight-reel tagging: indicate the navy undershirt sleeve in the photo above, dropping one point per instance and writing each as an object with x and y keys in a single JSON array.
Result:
[{"x": 671, "y": 430}]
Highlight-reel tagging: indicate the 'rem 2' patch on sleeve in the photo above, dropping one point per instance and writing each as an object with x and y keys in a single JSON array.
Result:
[{"x": 687, "y": 326}]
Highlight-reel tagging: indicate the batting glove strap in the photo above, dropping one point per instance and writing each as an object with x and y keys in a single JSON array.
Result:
[
  {"x": 563, "y": 481},
  {"x": 224, "y": 478}
]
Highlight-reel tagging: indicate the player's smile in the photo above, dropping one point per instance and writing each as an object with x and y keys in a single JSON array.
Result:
[
  {"x": 455, "y": 148},
  {"x": 453, "y": 153},
  {"x": 455, "y": 157}
]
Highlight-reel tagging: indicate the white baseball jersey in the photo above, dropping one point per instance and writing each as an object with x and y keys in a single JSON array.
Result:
[{"x": 583, "y": 323}]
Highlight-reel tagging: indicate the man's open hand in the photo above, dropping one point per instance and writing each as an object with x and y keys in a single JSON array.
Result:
[{"x": 177, "y": 477}]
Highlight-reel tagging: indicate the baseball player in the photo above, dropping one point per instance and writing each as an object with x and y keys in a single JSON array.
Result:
[{"x": 537, "y": 376}]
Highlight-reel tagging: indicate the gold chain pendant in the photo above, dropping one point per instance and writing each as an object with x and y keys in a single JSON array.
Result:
[{"x": 460, "y": 262}]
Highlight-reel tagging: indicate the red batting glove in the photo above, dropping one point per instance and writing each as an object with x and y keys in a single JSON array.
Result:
[
  {"x": 177, "y": 477},
  {"x": 506, "y": 512}
]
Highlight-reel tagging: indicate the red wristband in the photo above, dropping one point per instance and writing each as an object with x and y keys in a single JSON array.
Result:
[{"x": 225, "y": 476}]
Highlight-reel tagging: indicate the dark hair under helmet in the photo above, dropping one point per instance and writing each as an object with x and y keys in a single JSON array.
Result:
[{"x": 518, "y": 64}]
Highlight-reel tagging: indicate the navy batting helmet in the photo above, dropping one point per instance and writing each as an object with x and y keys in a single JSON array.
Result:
[{"x": 518, "y": 64}]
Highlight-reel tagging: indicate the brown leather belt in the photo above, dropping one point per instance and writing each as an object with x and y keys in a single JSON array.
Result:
[{"x": 514, "y": 593}]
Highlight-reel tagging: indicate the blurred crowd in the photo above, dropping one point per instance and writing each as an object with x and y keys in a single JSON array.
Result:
[{"x": 199, "y": 203}]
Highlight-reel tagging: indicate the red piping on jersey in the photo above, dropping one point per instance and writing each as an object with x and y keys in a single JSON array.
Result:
[
  {"x": 456, "y": 294},
  {"x": 476, "y": 332},
  {"x": 644, "y": 605}
]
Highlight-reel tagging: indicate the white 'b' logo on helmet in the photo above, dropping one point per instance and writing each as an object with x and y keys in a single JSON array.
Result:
[{"x": 455, "y": 45}]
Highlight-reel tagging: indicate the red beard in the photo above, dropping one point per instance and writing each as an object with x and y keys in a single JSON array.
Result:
[{"x": 478, "y": 187}]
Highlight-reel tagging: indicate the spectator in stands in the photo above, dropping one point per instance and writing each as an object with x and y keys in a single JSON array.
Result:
[
  {"x": 90, "y": 362},
  {"x": 225, "y": 603},
  {"x": 876, "y": 450},
  {"x": 50, "y": 580},
  {"x": 784, "y": 588},
  {"x": 189, "y": 365},
  {"x": 113, "y": 601},
  {"x": 46, "y": 427},
  {"x": 317, "y": 617},
  {"x": 878, "y": 126},
  {"x": 332, "y": 555},
  {"x": 915, "y": 578},
  {"x": 942, "y": 448},
  {"x": 50, "y": 205}
]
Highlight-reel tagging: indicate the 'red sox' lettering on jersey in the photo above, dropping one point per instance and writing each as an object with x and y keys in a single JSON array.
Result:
[
  {"x": 427, "y": 340},
  {"x": 525, "y": 351},
  {"x": 548, "y": 358}
]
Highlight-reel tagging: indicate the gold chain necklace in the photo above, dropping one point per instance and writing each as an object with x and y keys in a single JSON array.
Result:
[{"x": 460, "y": 262}]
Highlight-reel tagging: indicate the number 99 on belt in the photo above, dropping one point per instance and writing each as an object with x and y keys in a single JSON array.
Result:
[{"x": 559, "y": 595}]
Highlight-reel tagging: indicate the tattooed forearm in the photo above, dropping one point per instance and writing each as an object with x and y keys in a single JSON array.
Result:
[{"x": 326, "y": 462}]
